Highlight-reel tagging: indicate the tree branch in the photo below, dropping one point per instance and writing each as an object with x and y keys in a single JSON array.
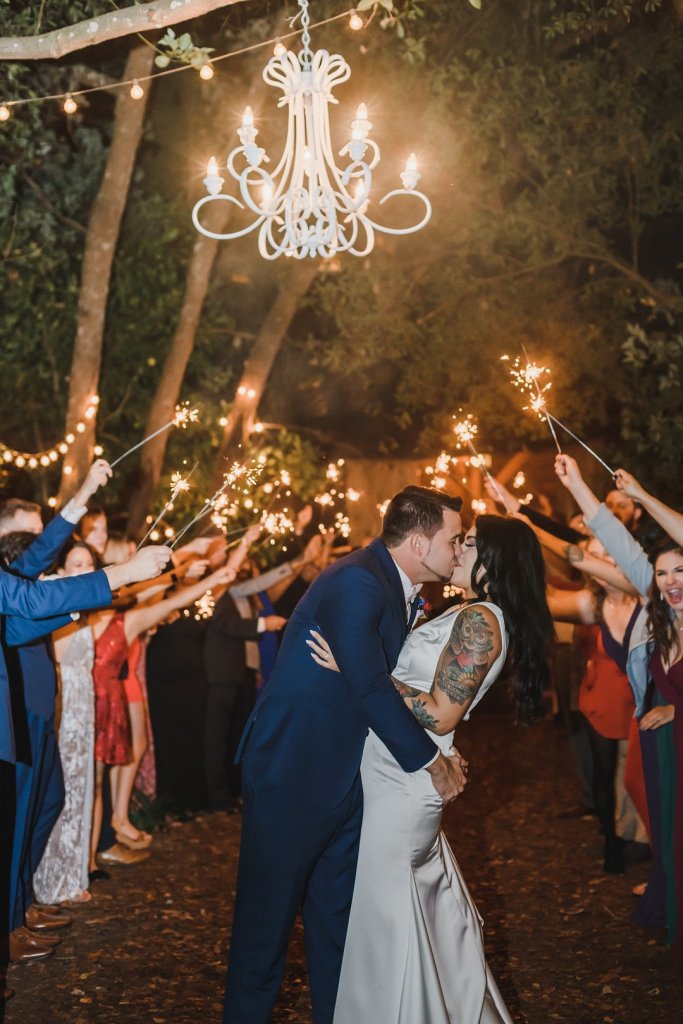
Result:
[{"x": 138, "y": 18}]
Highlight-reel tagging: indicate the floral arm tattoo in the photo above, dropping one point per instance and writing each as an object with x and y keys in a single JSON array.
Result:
[
  {"x": 465, "y": 661},
  {"x": 418, "y": 707},
  {"x": 462, "y": 668}
]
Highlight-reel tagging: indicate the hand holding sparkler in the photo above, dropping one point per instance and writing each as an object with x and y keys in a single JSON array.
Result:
[
  {"x": 496, "y": 490},
  {"x": 570, "y": 476},
  {"x": 98, "y": 476},
  {"x": 183, "y": 416},
  {"x": 627, "y": 484}
]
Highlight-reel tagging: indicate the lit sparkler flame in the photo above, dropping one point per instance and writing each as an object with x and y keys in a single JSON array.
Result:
[
  {"x": 204, "y": 607},
  {"x": 184, "y": 415},
  {"x": 465, "y": 430}
]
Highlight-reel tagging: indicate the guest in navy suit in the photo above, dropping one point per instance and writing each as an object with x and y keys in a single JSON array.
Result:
[{"x": 302, "y": 748}]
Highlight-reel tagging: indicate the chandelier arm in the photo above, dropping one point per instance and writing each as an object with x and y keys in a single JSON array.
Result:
[
  {"x": 213, "y": 234},
  {"x": 403, "y": 231}
]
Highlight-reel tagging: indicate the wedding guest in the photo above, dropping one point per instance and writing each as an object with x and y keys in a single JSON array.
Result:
[
  {"x": 605, "y": 698},
  {"x": 38, "y": 778},
  {"x": 114, "y": 634},
  {"x": 62, "y": 875},
  {"x": 31, "y": 610},
  {"x": 653, "y": 668}
]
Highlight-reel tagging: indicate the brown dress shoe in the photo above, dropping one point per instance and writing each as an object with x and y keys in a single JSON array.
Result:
[
  {"x": 120, "y": 855},
  {"x": 24, "y": 949},
  {"x": 39, "y": 920},
  {"x": 45, "y": 938}
]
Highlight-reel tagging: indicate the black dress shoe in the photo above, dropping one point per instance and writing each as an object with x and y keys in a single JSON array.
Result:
[{"x": 98, "y": 875}]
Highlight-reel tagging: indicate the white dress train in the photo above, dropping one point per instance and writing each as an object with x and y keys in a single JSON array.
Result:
[
  {"x": 414, "y": 951},
  {"x": 63, "y": 871}
]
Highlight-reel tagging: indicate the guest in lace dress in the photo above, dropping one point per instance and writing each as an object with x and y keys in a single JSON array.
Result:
[{"x": 62, "y": 875}]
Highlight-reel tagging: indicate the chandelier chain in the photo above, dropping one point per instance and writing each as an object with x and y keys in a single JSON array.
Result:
[{"x": 306, "y": 55}]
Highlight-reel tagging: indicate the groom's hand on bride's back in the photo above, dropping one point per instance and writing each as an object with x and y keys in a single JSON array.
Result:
[{"x": 448, "y": 776}]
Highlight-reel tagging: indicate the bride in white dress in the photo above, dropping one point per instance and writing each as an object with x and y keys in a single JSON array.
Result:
[{"x": 414, "y": 950}]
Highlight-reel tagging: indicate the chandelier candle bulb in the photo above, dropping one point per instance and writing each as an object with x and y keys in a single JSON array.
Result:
[
  {"x": 213, "y": 182},
  {"x": 279, "y": 50},
  {"x": 411, "y": 175}
]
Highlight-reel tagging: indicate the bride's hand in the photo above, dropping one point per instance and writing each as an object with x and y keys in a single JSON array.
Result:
[{"x": 321, "y": 651}]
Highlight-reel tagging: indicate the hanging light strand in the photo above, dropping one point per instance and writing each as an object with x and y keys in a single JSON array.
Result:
[
  {"x": 48, "y": 457},
  {"x": 135, "y": 84}
]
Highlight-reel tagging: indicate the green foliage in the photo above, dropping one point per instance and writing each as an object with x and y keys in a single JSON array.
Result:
[
  {"x": 182, "y": 50},
  {"x": 653, "y": 418}
]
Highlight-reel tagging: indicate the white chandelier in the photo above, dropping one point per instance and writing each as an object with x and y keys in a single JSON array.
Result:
[{"x": 308, "y": 206}]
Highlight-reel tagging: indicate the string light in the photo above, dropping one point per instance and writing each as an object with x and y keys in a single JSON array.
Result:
[
  {"x": 356, "y": 23},
  {"x": 70, "y": 106},
  {"x": 137, "y": 92},
  {"x": 279, "y": 49},
  {"x": 41, "y": 460},
  {"x": 206, "y": 72}
]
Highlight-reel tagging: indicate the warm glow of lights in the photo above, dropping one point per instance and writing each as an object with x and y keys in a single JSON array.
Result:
[
  {"x": 223, "y": 421},
  {"x": 52, "y": 502},
  {"x": 68, "y": 470},
  {"x": 136, "y": 91},
  {"x": 70, "y": 106},
  {"x": 206, "y": 72},
  {"x": 98, "y": 450},
  {"x": 4, "y": 113},
  {"x": 356, "y": 23}
]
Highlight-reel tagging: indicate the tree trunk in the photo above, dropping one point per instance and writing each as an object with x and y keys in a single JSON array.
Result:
[
  {"x": 100, "y": 245},
  {"x": 297, "y": 278},
  {"x": 168, "y": 389},
  {"x": 113, "y": 25}
]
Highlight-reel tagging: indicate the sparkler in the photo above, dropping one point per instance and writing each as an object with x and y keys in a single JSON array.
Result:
[
  {"x": 465, "y": 430},
  {"x": 238, "y": 472},
  {"x": 528, "y": 378},
  {"x": 179, "y": 485},
  {"x": 184, "y": 415}
]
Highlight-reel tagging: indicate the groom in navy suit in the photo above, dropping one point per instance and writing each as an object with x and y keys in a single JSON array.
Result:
[{"x": 302, "y": 748}]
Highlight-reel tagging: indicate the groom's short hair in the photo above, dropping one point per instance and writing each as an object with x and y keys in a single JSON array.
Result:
[{"x": 416, "y": 510}]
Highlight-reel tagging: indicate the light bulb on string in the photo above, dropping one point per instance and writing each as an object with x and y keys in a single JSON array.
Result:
[
  {"x": 5, "y": 113},
  {"x": 356, "y": 23},
  {"x": 279, "y": 50},
  {"x": 206, "y": 72},
  {"x": 136, "y": 90},
  {"x": 70, "y": 106}
]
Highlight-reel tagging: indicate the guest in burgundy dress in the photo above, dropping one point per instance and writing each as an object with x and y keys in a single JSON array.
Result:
[{"x": 665, "y": 608}]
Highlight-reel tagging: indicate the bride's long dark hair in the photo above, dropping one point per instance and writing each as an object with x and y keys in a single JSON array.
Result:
[{"x": 514, "y": 579}]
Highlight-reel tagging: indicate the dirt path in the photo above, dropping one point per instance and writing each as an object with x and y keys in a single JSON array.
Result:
[{"x": 151, "y": 946}]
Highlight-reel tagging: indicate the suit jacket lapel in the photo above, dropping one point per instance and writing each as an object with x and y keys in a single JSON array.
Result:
[{"x": 394, "y": 587}]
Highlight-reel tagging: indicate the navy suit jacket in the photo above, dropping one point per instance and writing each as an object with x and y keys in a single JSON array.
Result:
[
  {"x": 308, "y": 729},
  {"x": 33, "y": 610}
]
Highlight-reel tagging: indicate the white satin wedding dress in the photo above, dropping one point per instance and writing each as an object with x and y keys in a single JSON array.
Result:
[{"x": 414, "y": 950}]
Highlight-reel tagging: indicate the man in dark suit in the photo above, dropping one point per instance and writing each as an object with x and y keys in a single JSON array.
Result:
[{"x": 303, "y": 745}]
